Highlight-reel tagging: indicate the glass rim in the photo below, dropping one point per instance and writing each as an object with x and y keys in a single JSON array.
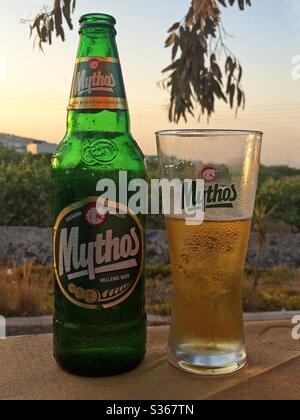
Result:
[{"x": 207, "y": 133}]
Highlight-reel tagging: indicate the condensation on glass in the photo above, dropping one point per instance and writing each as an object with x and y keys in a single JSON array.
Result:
[{"x": 207, "y": 333}]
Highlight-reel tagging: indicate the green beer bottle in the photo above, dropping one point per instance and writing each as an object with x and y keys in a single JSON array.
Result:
[{"x": 100, "y": 320}]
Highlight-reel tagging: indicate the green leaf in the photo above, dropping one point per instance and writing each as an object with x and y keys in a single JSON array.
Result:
[
  {"x": 175, "y": 49},
  {"x": 171, "y": 66},
  {"x": 218, "y": 91},
  {"x": 170, "y": 40},
  {"x": 67, "y": 13},
  {"x": 240, "y": 74},
  {"x": 174, "y": 27},
  {"x": 240, "y": 95},
  {"x": 231, "y": 95}
]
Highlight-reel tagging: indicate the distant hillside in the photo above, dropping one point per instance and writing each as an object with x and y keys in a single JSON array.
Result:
[{"x": 18, "y": 143}]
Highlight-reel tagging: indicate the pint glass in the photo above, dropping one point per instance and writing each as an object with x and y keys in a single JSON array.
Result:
[{"x": 208, "y": 257}]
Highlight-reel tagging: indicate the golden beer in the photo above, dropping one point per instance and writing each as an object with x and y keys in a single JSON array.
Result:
[
  {"x": 218, "y": 170},
  {"x": 207, "y": 266}
]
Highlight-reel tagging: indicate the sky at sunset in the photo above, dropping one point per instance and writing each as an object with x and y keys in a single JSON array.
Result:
[{"x": 266, "y": 38}]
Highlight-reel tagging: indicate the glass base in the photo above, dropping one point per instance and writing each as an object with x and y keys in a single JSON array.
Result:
[{"x": 209, "y": 364}]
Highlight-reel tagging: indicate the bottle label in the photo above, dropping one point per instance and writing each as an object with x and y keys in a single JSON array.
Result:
[
  {"x": 98, "y": 84},
  {"x": 98, "y": 258}
]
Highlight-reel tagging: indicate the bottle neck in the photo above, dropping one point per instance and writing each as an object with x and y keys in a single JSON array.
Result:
[{"x": 98, "y": 99}]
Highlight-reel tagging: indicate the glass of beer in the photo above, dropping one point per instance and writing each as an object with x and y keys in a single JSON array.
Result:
[{"x": 208, "y": 256}]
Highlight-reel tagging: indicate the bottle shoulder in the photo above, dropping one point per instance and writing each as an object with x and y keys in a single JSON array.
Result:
[{"x": 98, "y": 151}]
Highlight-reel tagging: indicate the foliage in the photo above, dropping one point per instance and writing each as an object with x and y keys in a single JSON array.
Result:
[
  {"x": 156, "y": 270},
  {"x": 278, "y": 199},
  {"x": 26, "y": 291},
  {"x": 198, "y": 47},
  {"x": 284, "y": 194},
  {"x": 195, "y": 74},
  {"x": 25, "y": 189},
  {"x": 279, "y": 289},
  {"x": 9, "y": 156},
  {"x": 276, "y": 173},
  {"x": 262, "y": 216},
  {"x": 46, "y": 23}
]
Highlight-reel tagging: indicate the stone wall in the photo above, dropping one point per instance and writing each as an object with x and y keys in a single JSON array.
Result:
[
  {"x": 19, "y": 243},
  {"x": 29, "y": 243}
]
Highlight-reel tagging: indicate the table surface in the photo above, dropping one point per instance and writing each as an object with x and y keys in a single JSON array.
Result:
[{"x": 28, "y": 371}]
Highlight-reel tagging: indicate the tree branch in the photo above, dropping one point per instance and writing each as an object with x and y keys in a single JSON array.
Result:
[
  {"x": 198, "y": 54},
  {"x": 47, "y": 22}
]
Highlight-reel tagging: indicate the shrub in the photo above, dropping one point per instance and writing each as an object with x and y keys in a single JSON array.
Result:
[{"x": 27, "y": 291}]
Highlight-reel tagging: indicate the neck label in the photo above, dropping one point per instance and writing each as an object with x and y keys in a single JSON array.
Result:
[{"x": 98, "y": 84}]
